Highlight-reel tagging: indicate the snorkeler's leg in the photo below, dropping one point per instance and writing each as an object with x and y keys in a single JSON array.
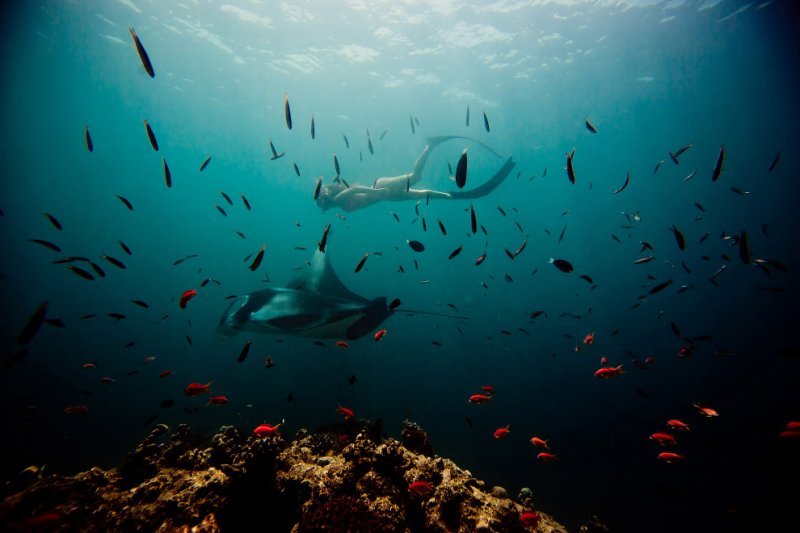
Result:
[{"x": 416, "y": 174}]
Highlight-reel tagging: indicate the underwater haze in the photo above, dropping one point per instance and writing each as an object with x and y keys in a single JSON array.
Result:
[{"x": 711, "y": 321}]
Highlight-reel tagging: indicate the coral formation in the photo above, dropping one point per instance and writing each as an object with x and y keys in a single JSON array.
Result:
[{"x": 235, "y": 481}]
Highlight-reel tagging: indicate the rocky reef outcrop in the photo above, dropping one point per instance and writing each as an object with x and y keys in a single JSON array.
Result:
[{"x": 179, "y": 481}]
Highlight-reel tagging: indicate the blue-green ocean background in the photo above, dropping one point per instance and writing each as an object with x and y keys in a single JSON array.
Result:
[{"x": 649, "y": 85}]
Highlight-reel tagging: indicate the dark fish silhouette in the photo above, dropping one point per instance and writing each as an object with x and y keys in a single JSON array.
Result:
[
  {"x": 46, "y": 244},
  {"x": 570, "y": 170},
  {"x": 313, "y": 128},
  {"x": 259, "y": 257},
  {"x": 167, "y": 173},
  {"x": 473, "y": 219},
  {"x": 148, "y": 66},
  {"x": 744, "y": 249},
  {"x": 346, "y": 142},
  {"x": 125, "y": 248},
  {"x": 32, "y": 326},
  {"x": 324, "y": 241},
  {"x": 678, "y": 237},
  {"x": 360, "y": 264},
  {"x": 205, "y": 163},
  {"x": 81, "y": 272},
  {"x": 244, "y": 352},
  {"x": 275, "y": 154},
  {"x": 486, "y": 122},
  {"x": 467, "y": 115},
  {"x": 589, "y": 125},
  {"x": 227, "y": 198},
  {"x": 54, "y": 221},
  {"x": 125, "y": 201},
  {"x": 660, "y": 287},
  {"x": 562, "y": 264},
  {"x": 774, "y": 162},
  {"x": 627, "y": 181},
  {"x": 456, "y": 252},
  {"x": 244, "y": 201},
  {"x": 287, "y": 111},
  {"x": 461, "y": 170},
  {"x": 416, "y": 246},
  {"x": 718, "y": 165},
  {"x": 151, "y": 135},
  {"x": 413, "y": 129},
  {"x": 317, "y": 187},
  {"x": 116, "y": 262},
  {"x": 88, "y": 137}
]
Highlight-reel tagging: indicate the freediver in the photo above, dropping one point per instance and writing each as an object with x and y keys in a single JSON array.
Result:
[{"x": 398, "y": 188}]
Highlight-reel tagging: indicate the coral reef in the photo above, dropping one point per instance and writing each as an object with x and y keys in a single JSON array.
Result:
[{"x": 316, "y": 482}]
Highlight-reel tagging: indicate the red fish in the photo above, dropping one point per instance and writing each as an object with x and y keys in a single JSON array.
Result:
[
  {"x": 42, "y": 522},
  {"x": 678, "y": 424},
  {"x": 76, "y": 410},
  {"x": 536, "y": 441},
  {"x": 268, "y": 362},
  {"x": 793, "y": 426},
  {"x": 186, "y": 296},
  {"x": 608, "y": 372},
  {"x": 664, "y": 439},
  {"x": 266, "y": 430},
  {"x": 479, "y": 399},
  {"x": 488, "y": 389},
  {"x": 706, "y": 411},
  {"x": 547, "y": 457},
  {"x": 88, "y": 365},
  {"x": 420, "y": 487},
  {"x": 670, "y": 457},
  {"x": 604, "y": 360},
  {"x": 218, "y": 400},
  {"x": 686, "y": 351},
  {"x": 501, "y": 433},
  {"x": 196, "y": 389},
  {"x": 348, "y": 414},
  {"x": 379, "y": 334},
  {"x": 165, "y": 373},
  {"x": 588, "y": 340},
  {"x": 529, "y": 518},
  {"x": 789, "y": 434},
  {"x": 650, "y": 360},
  {"x": 342, "y": 344}
]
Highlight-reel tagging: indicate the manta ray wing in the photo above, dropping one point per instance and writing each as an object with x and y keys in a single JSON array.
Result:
[{"x": 320, "y": 277}]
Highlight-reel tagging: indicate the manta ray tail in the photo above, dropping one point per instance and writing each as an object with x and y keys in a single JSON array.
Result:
[{"x": 416, "y": 312}]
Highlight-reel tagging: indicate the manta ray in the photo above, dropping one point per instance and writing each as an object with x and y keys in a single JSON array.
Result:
[{"x": 314, "y": 304}]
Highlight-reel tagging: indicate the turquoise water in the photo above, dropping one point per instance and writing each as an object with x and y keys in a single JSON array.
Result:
[{"x": 651, "y": 76}]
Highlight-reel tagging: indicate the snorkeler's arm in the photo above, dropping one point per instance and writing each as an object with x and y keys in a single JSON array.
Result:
[{"x": 487, "y": 187}]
